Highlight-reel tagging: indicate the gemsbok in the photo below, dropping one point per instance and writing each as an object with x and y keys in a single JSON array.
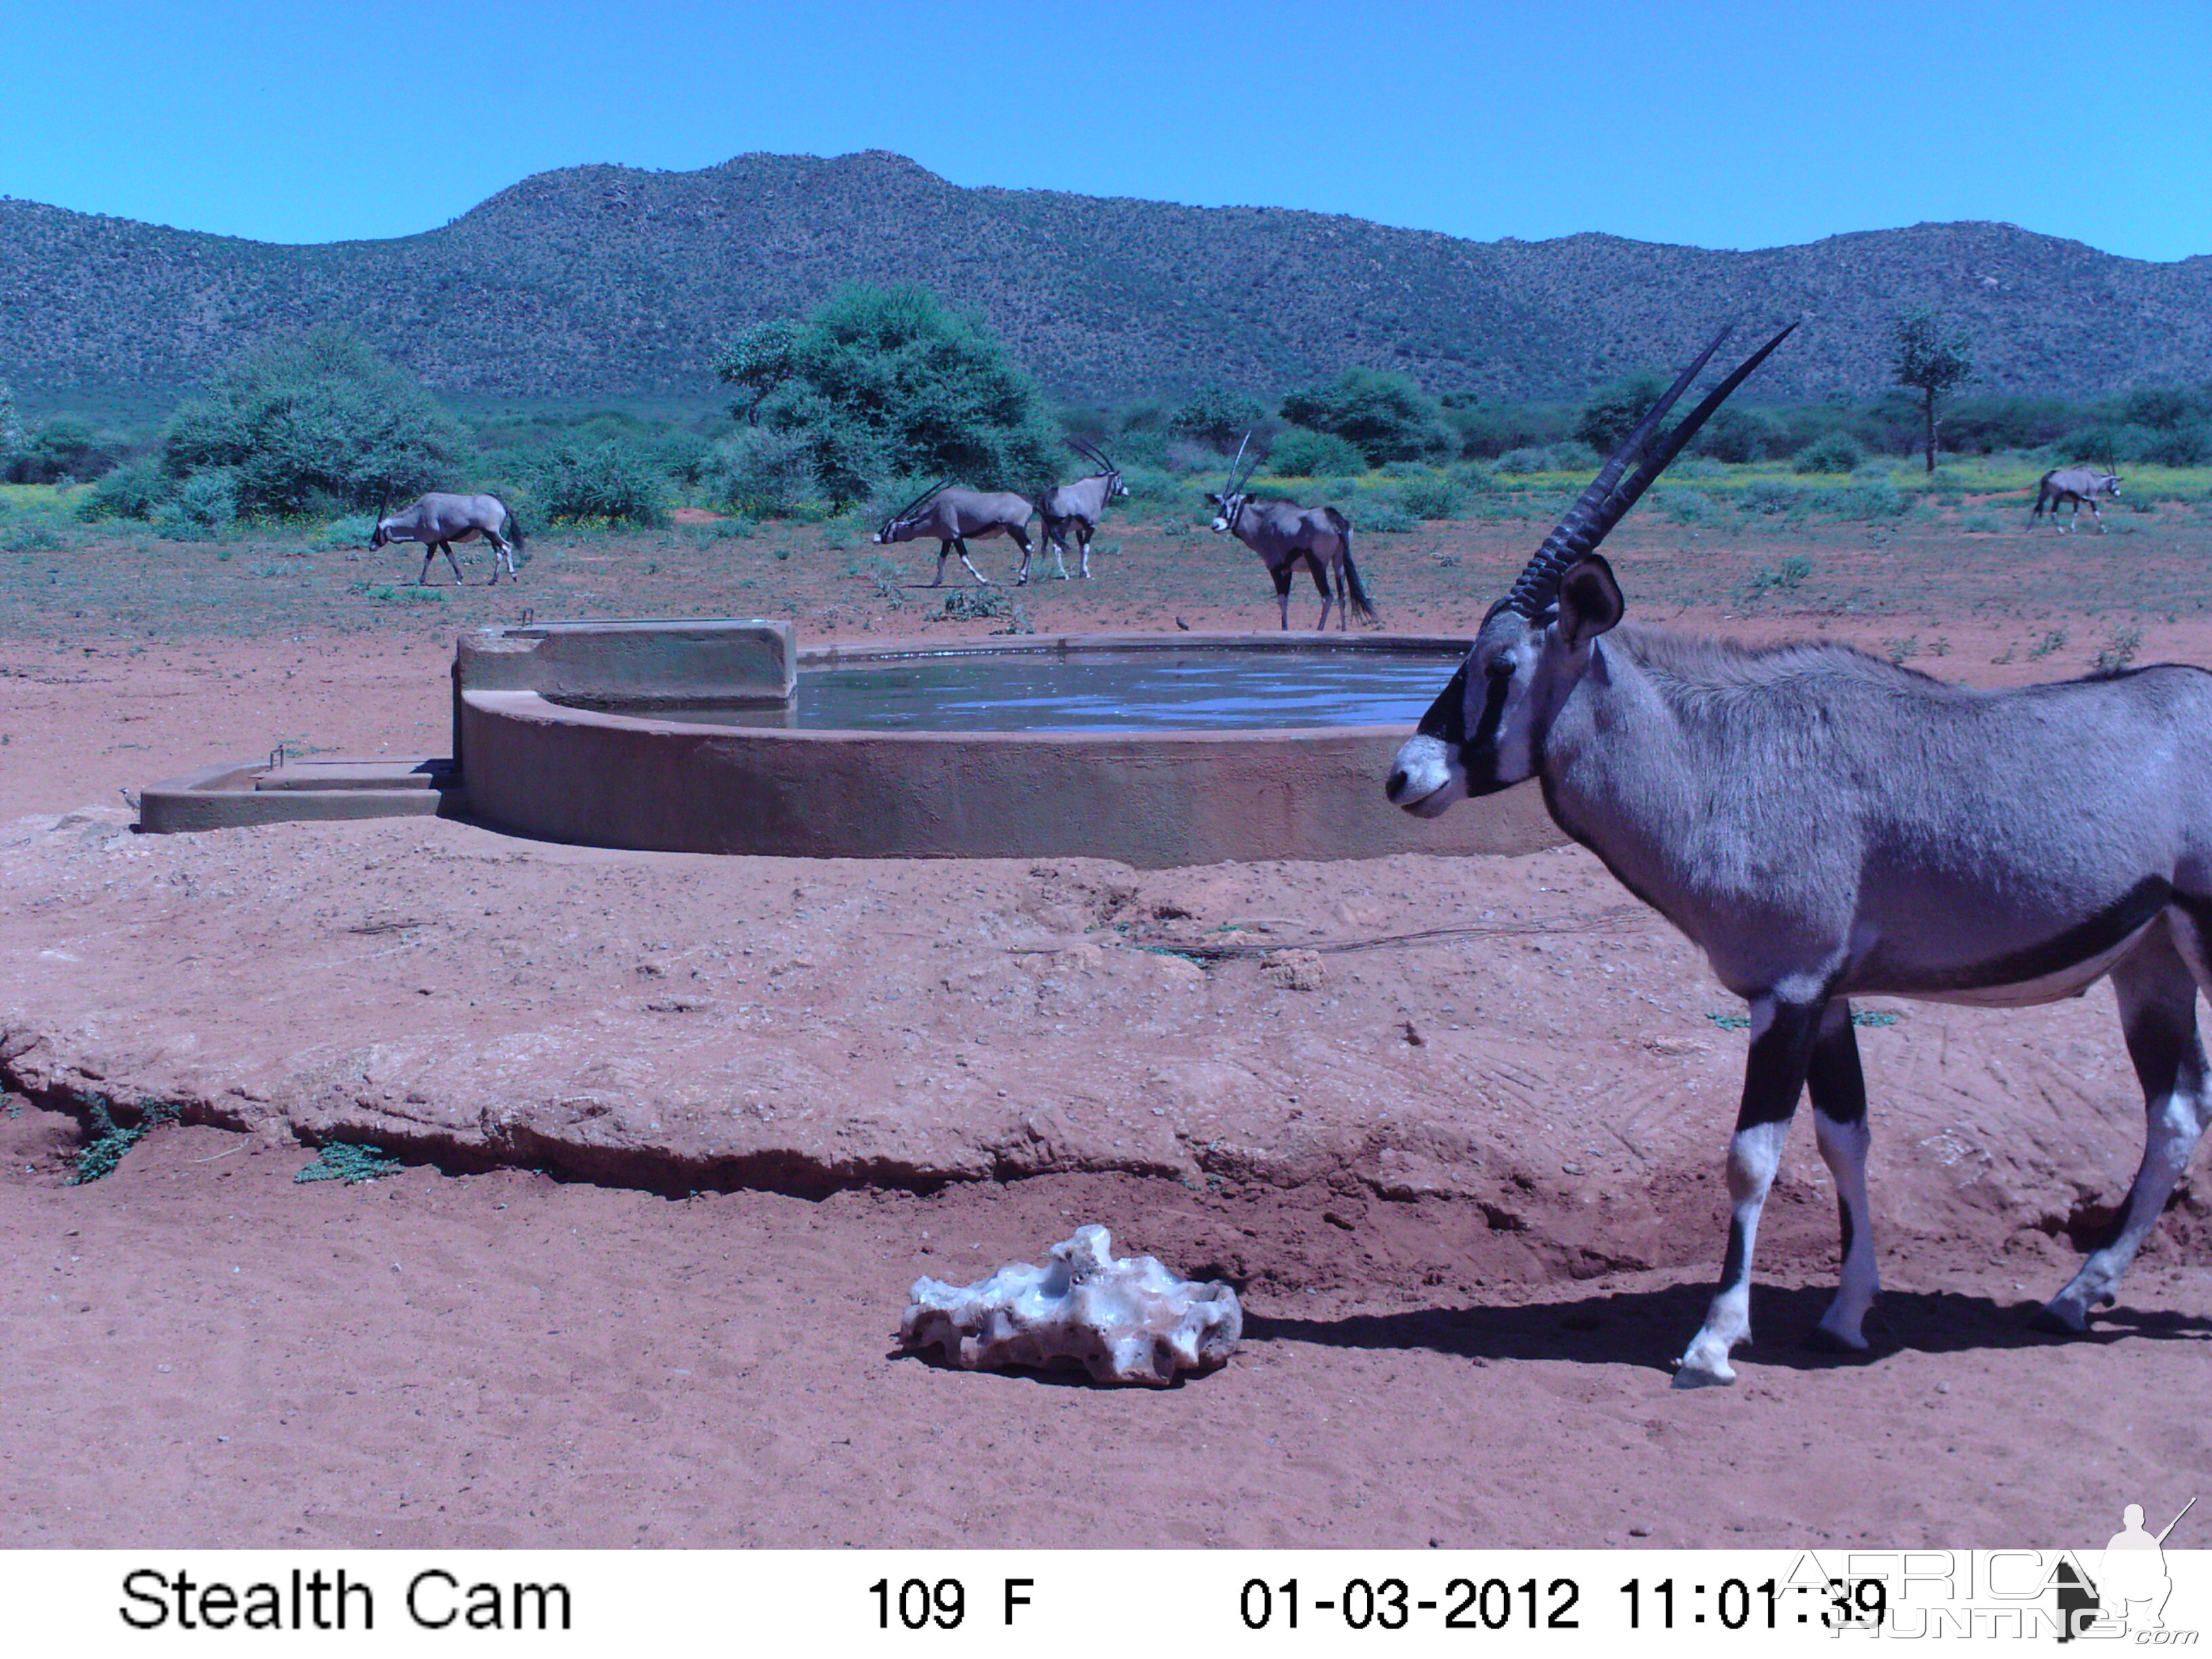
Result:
[
  {"x": 437, "y": 521},
  {"x": 1077, "y": 506},
  {"x": 1285, "y": 535},
  {"x": 2080, "y": 485},
  {"x": 954, "y": 515},
  {"x": 1824, "y": 824}
]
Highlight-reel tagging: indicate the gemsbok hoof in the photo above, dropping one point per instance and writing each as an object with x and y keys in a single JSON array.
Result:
[
  {"x": 2055, "y": 1321},
  {"x": 1687, "y": 1375}
]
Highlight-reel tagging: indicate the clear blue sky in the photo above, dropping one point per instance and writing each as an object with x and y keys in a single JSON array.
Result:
[{"x": 1723, "y": 125}]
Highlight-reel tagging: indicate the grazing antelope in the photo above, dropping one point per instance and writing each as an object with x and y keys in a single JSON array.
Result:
[
  {"x": 1824, "y": 824},
  {"x": 2078, "y": 485},
  {"x": 1284, "y": 534},
  {"x": 1080, "y": 504},
  {"x": 952, "y": 516},
  {"x": 439, "y": 521}
]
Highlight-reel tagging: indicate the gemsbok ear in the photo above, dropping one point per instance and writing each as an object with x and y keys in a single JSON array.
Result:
[{"x": 1589, "y": 601}]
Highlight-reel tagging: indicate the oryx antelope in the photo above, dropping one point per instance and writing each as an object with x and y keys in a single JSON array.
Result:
[
  {"x": 1080, "y": 506},
  {"x": 2080, "y": 485},
  {"x": 1285, "y": 535},
  {"x": 954, "y": 515},
  {"x": 439, "y": 521},
  {"x": 1823, "y": 824}
]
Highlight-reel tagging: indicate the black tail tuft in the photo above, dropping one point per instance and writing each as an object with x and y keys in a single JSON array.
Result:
[{"x": 1362, "y": 606}]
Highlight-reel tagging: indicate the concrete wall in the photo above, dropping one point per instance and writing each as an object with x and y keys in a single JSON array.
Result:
[{"x": 1150, "y": 800}]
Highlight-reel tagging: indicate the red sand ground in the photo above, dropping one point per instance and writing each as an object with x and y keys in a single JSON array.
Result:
[{"x": 199, "y": 1351}]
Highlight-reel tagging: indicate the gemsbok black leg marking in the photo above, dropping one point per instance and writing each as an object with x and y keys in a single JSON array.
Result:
[
  {"x": 2157, "y": 990},
  {"x": 1782, "y": 1037},
  {"x": 1837, "y": 1088}
]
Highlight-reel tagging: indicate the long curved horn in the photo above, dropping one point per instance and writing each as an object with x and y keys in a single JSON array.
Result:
[
  {"x": 918, "y": 500},
  {"x": 1608, "y": 497},
  {"x": 1089, "y": 453},
  {"x": 1234, "y": 483}
]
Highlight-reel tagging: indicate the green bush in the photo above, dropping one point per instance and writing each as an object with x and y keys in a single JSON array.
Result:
[
  {"x": 1384, "y": 514},
  {"x": 888, "y": 382},
  {"x": 1772, "y": 497},
  {"x": 135, "y": 490},
  {"x": 1838, "y": 452},
  {"x": 308, "y": 424},
  {"x": 1871, "y": 497},
  {"x": 1218, "y": 418},
  {"x": 1611, "y": 412},
  {"x": 612, "y": 483},
  {"x": 62, "y": 449},
  {"x": 342, "y": 533},
  {"x": 1737, "y": 436},
  {"x": 204, "y": 507},
  {"x": 762, "y": 472},
  {"x": 1386, "y": 415},
  {"x": 1430, "y": 497},
  {"x": 1300, "y": 453}
]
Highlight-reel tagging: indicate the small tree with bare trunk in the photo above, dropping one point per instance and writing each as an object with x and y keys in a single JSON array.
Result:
[{"x": 1931, "y": 360}]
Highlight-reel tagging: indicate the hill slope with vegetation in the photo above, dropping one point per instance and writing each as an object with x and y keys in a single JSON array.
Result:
[{"x": 611, "y": 282}]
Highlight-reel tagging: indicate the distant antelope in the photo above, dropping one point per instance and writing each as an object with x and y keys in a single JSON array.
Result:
[
  {"x": 1284, "y": 535},
  {"x": 437, "y": 521},
  {"x": 1824, "y": 824},
  {"x": 2077, "y": 484},
  {"x": 952, "y": 516},
  {"x": 1080, "y": 504}
]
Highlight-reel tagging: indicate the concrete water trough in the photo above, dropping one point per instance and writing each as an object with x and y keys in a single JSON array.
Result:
[{"x": 697, "y": 736}]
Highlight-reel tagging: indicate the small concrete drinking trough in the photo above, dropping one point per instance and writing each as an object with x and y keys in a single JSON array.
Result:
[{"x": 1155, "y": 750}]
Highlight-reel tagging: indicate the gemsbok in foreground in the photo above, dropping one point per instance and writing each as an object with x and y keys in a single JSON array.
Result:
[
  {"x": 1285, "y": 535},
  {"x": 952, "y": 516},
  {"x": 2080, "y": 485},
  {"x": 439, "y": 521},
  {"x": 1077, "y": 506},
  {"x": 1824, "y": 824}
]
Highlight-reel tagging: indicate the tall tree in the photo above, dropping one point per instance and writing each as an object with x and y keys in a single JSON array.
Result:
[
  {"x": 1931, "y": 360},
  {"x": 889, "y": 383}
]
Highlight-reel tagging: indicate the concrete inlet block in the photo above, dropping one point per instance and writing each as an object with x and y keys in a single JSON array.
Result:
[{"x": 680, "y": 660}]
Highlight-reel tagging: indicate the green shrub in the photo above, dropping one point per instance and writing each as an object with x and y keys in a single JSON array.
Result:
[
  {"x": 1300, "y": 453},
  {"x": 762, "y": 472},
  {"x": 1383, "y": 512},
  {"x": 62, "y": 450},
  {"x": 340, "y": 534},
  {"x": 1430, "y": 497},
  {"x": 1737, "y": 436},
  {"x": 1385, "y": 415},
  {"x": 340, "y": 1161},
  {"x": 1876, "y": 497},
  {"x": 1786, "y": 578},
  {"x": 1684, "y": 505},
  {"x": 1612, "y": 412},
  {"x": 307, "y": 424},
  {"x": 1526, "y": 460},
  {"x": 1474, "y": 478},
  {"x": 1218, "y": 418},
  {"x": 1772, "y": 497},
  {"x": 611, "y": 483},
  {"x": 135, "y": 490},
  {"x": 1838, "y": 452},
  {"x": 204, "y": 507},
  {"x": 888, "y": 382}
]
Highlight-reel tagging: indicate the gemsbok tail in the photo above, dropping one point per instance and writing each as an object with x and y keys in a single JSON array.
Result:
[
  {"x": 1362, "y": 605},
  {"x": 514, "y": 531}
]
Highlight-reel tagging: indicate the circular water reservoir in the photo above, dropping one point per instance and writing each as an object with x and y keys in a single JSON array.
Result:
[
  {"x": 1194, "y": 689},
  {"x": 1153, "y": 750}
]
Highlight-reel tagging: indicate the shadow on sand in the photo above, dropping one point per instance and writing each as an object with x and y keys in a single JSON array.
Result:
[{"x": 1650, "y": 1328}]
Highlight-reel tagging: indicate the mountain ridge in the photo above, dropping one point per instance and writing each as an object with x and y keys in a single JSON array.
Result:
[{"x": 609, "y": 281}]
